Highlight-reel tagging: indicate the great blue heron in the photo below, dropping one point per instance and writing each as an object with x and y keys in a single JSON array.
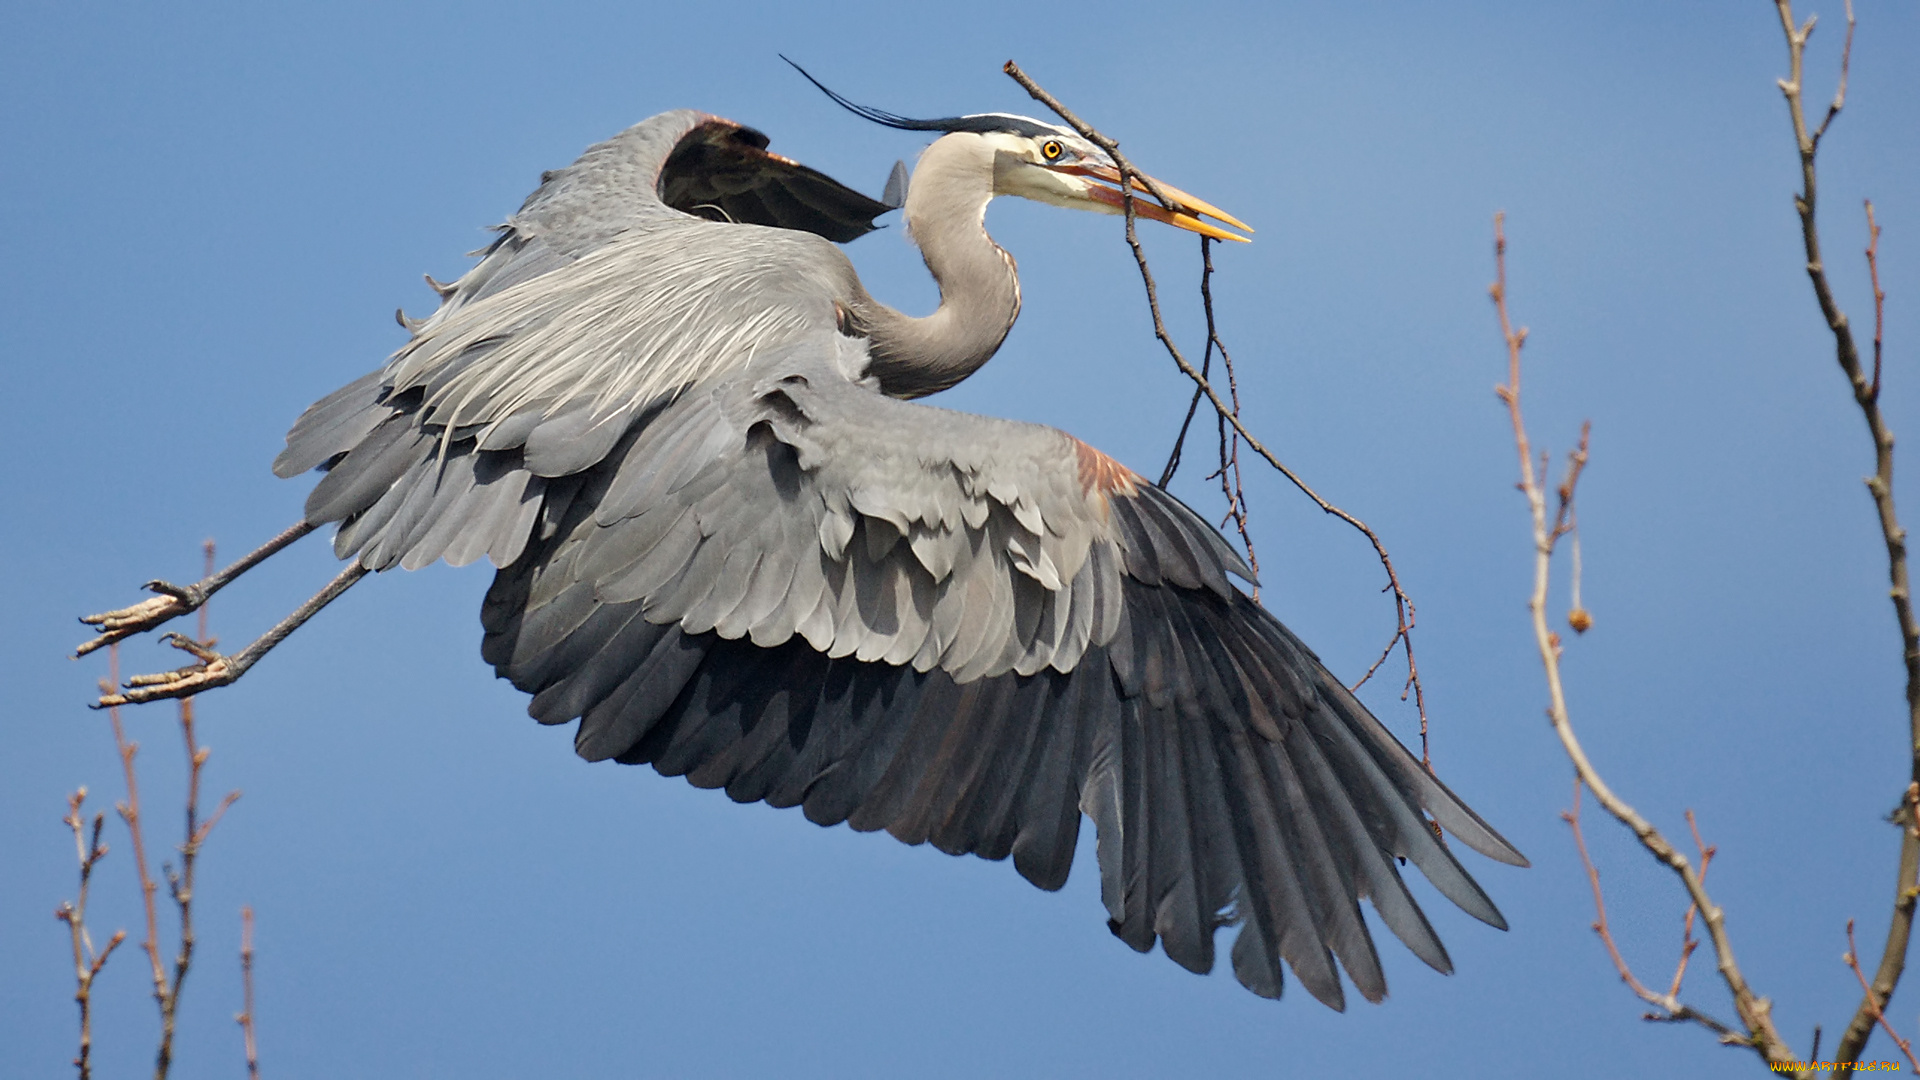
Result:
[{"x": 730, "y": 544}]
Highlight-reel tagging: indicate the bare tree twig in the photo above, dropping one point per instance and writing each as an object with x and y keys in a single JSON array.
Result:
[
  {"x": 245, "y": 1017},
  {"x": 1230, "y": 482},
  {"x": 180, "y": 884},
  {"x": 1866, "y": 394},
  {"x": 1755, "y": 1012},
  {"x": 1228, "y": 473},
  {"x": 1879, "y": 295},
  {"x": 1852, "y": 960},
  {"x": 1180, "y": 439},
  {"x": 87, "y": 961},
  {"x": 1846, "y": 58},
  {"x": 1672, "y": 1010},
  {"x": 130, "y": 813},
  {"x": 1132, "y": 177},
  {"x": 166, "y": 988},
  {"x": 1231, "y": 488},
  {"x": 1206, "y": 371},
  {"x": 1687, "y": 941}
]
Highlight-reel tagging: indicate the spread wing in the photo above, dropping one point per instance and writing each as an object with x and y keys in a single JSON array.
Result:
[
  {"x": 968, "y": 632},
  {"x": 600, "y": 301}
]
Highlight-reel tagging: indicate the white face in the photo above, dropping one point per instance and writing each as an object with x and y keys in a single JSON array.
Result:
[
  {"x": 1057, "y": 167},
  {"x": 1030, "y": 167}
]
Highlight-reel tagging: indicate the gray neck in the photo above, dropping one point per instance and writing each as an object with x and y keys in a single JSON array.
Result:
[{"x": 979, "y": 292}]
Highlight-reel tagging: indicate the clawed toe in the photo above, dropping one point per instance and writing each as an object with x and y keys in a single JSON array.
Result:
[
  {"x": 115, "y": 625},
  {"x": 214, "y": 670},
  {"x": 202, "y": 650}
]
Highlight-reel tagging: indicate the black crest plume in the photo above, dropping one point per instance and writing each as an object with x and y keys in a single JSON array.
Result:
[{"x": 978, "y": 123}]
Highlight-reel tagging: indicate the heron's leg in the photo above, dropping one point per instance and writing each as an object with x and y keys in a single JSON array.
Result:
[
  {"x": 214, "y": 669},
  {"x": 174, "y": 600}
]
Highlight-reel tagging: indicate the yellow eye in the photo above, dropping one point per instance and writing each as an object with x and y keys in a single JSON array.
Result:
[{"x": 1051, "y": 150}]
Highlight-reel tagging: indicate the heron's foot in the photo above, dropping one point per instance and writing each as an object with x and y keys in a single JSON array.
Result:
[
  {"x": 173, "y": 602},
  {"x": 213, "y": 670}
]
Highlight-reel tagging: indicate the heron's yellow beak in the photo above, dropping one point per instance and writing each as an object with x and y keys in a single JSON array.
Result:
[{"x": 1186, "y": 215}]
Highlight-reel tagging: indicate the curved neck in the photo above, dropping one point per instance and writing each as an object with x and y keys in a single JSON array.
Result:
[{"x": 979, "y": 291}]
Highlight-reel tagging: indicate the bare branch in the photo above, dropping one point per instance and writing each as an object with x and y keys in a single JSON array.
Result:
[
  {"x": 1840, "y": 92},
  {"x": 196, "y": 832},
  {"x": 1180, "y": 439},
  {"x": 1755, "y": 1012},
  {"x": 1879, "y": 295},
  {"x": 130, "y": 813},
  {"x": 245, "y": 1017},
  {"x": 1229, "y": 473},
  {"x": 1231, "y": 488},
  {"x": 180, "y": 884},
  {"x": 1228, "y": 414},
  {"x": 1687, "y": 941},
  {"x": 1852, "y": 960},
  {"x": 1866, "y": 394},
  {"x": 1672, "y": 1010},
  {"x": 87, "y": 961}
]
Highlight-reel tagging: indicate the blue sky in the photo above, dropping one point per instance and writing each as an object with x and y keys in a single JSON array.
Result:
[{"x": 211, "y": 214}]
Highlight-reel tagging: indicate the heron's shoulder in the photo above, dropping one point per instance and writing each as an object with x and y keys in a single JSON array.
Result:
[
  {"x": 610, "y": 188},
  {"x": 688, "y": 163}
]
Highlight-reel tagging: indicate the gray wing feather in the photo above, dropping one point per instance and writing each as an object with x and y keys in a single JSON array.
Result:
[
  {"x": 792, "y": 471},
  {"x": 368, "y": 472},
  {"x": 595, "y": 307},
  {"x": 333, "y": 425}
]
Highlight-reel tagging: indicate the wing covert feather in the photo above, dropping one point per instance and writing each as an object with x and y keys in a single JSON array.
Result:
[{"x": 886, "y": 530}]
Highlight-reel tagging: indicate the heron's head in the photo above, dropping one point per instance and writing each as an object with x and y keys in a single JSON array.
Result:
[{"x": 1056, "y": 165}]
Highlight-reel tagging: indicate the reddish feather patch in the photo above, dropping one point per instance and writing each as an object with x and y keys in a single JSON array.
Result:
[{"x": 1100, "y": 473}]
